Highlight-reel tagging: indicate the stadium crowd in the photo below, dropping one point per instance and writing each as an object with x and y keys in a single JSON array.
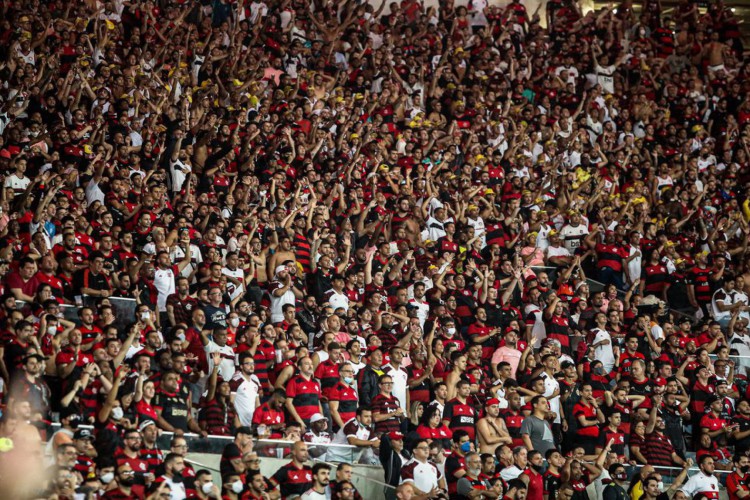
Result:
[{"x": 499, "y": 259}]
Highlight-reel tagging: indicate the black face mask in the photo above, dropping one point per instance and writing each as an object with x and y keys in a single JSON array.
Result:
[
  {"x": 538, "y": 468},
  {"x": 745, "y": 469},
  {"x": 177, "y": 477}
]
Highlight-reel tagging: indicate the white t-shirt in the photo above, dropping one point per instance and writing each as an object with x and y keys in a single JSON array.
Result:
[
  {"x": 400, "y": 383},
  {"x": 550, "y": 386},
  {"x": 604, "y": 353},
  {"x": 164, "y": 282}
]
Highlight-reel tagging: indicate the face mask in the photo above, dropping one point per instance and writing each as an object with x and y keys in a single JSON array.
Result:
[
  {"x": 107, "y": 478},
  {"x": 237, "y": 487},
  {"x": 466, "y": 447},
  {"x": 117, "y": 413},
  {"x": 145, "y": 316},
  {"x": 451, "y": 331},
  {"x": 177, "y": 477},
  {"x": 234, "y": 322},
  {"x": 207, "y": 487},
  {"x": 660, "y": 485},
  {"x": 181, "y": 336},
  {"x": 744, "y": 469},
  {"x": 538, "y": 468},
  {"x": 51, "y": 330},
  {"x": 349, "y": 380},
  {"x": 622, "y": 477}
]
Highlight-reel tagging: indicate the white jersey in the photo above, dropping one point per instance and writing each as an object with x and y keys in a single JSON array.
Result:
[
  {"x": 550, "y": 386},
  {"x": 164, "y": 282},
  {"x": 400, "y": 383},
  {"x": 727, "y": 299},
  {"x": 226, "y": 365},
  {"x": 424, "y": 475},
  {"x": 701, "y": 483},
  {"x": 312, "y": 439},
  {"x": 245, "y": 392},
  {"x": 573, "y": 236},
  {"x": 605, "y": 78},
  {"x": 238, "y": 274},
  {"x": 351, "y": 429}
]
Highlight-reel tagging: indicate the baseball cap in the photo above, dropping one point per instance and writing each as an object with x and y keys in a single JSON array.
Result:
[
  {"x": 712, "y": 399},
  {"x": 83, "y": 434},
  {"x": 316, "y": 418},
  {"x": 142, "y": 426},
  {"x": 492, "y": 401},
  {"x": 566, "y": 364},
  {"x": 395, "y": 435}
]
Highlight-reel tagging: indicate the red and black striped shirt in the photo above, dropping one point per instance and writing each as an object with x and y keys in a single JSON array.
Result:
[
  {"x": 305, "y": 395},
  {"x": 461, "y": 416}
]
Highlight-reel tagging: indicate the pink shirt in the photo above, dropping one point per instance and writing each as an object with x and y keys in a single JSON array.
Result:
[{"x": 509, "y": 355}]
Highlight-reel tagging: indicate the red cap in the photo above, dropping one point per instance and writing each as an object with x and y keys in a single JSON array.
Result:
[
  {"x": 660, "y": 381},
  {"x": 395, "y": 435},
  {"x": 492, "y": 401}
]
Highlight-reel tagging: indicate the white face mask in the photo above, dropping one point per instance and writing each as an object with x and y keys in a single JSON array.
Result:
[
  {"x": 207, "y": 487},
  {"x": 234, "y": 322},
  {"x": 117, "y": 413},
  {"x": 107, "y": 478},
  {"x": 660, "y": 485},
  {"x": 145, "y": 316},
  {"x": 52, "y": 330},
  {"x": 237, "y": 487},
  {"x": 451, "y": 331}
]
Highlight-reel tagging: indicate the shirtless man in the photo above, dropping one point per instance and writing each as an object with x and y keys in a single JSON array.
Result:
[
  {"x": 491, "y": 429},
  {"x": 715, "y": 51},
  {"x": 284, "y": 252}
]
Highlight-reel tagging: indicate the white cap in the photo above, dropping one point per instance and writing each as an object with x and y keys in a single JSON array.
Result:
[{"x": 316, "y": 418}]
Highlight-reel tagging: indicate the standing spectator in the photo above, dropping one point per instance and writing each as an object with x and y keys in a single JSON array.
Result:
[
  {"x": 399, "y": 376},
  {"x": 303, "y": 394},
  {"x": 387, "y": 413},
  {"x": 536, "y": 430},
  {"x": 294, "y": 478}
]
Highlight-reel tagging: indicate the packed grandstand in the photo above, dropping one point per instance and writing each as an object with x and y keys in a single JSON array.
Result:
[{"x": 496, "y": 252}]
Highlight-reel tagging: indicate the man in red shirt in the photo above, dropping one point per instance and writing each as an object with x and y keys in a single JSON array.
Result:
[
  {"x": 130, "y": 452},
  {"x": 532, "y": 476},
  {"x": 712, "y": 422},
  {"x": 23, "y": 283},
  {"x": 271, "y": 414},
  {"x": 737, "y": 481}
]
